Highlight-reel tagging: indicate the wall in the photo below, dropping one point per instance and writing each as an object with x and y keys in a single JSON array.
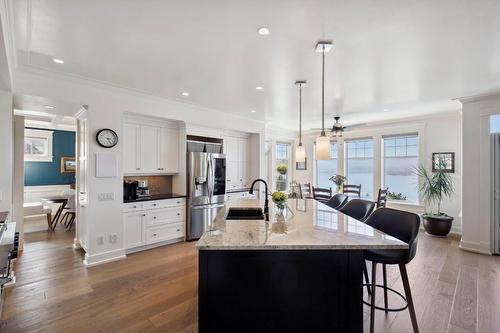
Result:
[
  {"x": 476, "y": 198},
  {"x": 49, "y": 173},
  {"x": 439, "y": 133},
  {"x": 6, "y": 124},
  {"x": 106, "y": 106},
  {"x": 157, "y": 184}
]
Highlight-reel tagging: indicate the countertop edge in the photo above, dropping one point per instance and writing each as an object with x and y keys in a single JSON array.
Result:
[{"x": 303, "y": 247}]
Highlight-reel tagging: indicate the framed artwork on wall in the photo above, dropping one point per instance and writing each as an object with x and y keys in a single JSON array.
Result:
[
  {"x": 447, "y": 160},
  {"x": 68, "y": 164},
  {"x": 301, "y": 165}
]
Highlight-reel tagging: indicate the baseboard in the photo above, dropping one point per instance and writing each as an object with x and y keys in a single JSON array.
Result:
[
  {"x": 105, "y": 257},
  {"x": 152, "y": 246},
  {"x": 475, "y": 247}
]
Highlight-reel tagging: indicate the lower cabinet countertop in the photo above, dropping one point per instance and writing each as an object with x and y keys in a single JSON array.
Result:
[{"x": 157, "y": 197}]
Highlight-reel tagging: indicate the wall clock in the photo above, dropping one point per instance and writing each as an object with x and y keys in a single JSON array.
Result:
[{"x": 107, "y": 138}]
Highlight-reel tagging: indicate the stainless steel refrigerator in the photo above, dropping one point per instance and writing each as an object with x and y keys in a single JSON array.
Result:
[
  {"x": 495, "y": 167},
  {"x": 206, "y": 176}
]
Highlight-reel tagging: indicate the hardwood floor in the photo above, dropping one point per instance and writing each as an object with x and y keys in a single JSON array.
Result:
[{"x": 156, "y": 290}]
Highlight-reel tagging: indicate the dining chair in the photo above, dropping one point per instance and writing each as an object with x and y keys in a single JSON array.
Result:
[
  {"x": 403, "y": 226},
  {"x": 70, "y": 215},
  {"x": 337, "y": 201},
  {"x": 352, "y": 190},
  {"x": 321, "y": 194},
  {"x": 382, "y": 197},
  {"x": 305, "y": 191},
  {"x": 358, "y": 208}
]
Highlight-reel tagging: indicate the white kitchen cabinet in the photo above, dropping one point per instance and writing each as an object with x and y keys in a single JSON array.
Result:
[
  {"x": 134, "y": 223},
  {"x": 150, "y": 148},
  {"x": 131, "y": 147},
  {"x": 169, "y": 150},
  {"x": 236, "y": 150},
  {"x": 153, "y": 223}
]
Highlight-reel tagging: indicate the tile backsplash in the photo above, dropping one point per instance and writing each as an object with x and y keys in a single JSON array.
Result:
[{"x": 157, "y": 184}]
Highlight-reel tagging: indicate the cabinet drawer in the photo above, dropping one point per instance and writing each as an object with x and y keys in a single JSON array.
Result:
[
  {"x": 133, "y": 206},
  {"x": 164, "y": 232},
  {"x": 168, "y": 215},
  {"x": 164, "y": 203}
]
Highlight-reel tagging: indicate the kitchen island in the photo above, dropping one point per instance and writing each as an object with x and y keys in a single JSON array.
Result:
[{"x": 300, "y": 272}]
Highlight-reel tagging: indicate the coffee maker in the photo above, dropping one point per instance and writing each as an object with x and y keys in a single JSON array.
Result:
[
  {"x": 130, "y": 190},
  {"x": 142, "y": 189}
]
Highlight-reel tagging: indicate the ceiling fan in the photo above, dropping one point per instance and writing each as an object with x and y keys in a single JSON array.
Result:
[{"x": 337, "y": 128}]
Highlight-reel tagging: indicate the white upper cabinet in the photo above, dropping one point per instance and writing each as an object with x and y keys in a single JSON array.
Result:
[
  {"x": 150, "y": 148},
  {"x": 236, "y": 150},
  {"x": 131, "y": 143}
]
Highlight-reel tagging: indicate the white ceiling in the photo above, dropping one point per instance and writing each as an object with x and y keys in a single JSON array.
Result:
[
  {"x": 391, "y": 58},
  {"x": 36, "y": 114}
]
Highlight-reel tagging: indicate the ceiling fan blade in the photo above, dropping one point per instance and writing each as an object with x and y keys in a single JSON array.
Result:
[{"x": 351, "y": 127}]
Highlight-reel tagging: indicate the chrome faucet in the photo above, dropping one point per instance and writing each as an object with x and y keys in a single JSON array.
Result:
[{"x": 266, "y": 202}]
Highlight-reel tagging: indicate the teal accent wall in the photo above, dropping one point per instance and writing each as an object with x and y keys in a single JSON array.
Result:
[{"x": 49, "y": 173}]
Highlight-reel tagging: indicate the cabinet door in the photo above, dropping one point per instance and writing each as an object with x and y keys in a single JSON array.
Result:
[
  {"x": 131, "y": 148},
  {"x": 169, "y": 150},
  {"x": 134, "y": 229},
  {"x": 242, "y": 162},
  {"x": 149, "y": 149}
]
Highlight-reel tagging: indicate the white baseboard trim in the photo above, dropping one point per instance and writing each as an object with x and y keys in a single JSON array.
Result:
[
  {"x": 475, "y": 247},
  {"x": 152, "y": 246},
  {"x": 76, "y": 244},
  {"x": 105, "y": 257}
]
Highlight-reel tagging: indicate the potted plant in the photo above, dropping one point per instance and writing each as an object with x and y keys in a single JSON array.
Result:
[
  {"x": 436, "y": 186},
  {"x": 282, "y": 168},
  {"x": 339, "y": 181},
  {"x": 279, "y": 198}
]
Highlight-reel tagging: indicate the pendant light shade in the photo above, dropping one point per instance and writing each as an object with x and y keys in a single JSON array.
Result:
[
  {"x": 300, "y": 152},
  {"x": 323, "y": 141}
]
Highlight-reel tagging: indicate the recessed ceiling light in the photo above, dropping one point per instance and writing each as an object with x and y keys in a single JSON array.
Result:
[
  {"x": 253, "y": 111},
  {"x": 185, "y": 94},
  {"x": 259, "y": 88},
  {"x": 58, "y": 61},
  {"x": 264, "y": 31},
  {"x": 48, "y": 106}
]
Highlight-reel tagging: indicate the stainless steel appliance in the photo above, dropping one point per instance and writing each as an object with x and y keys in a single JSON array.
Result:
[
  {"x": 143, "y": 188},
  {"x": 495, "y": 204},
  {"x": 130, "y": 190},
  {"x": 206, "y": 175}
]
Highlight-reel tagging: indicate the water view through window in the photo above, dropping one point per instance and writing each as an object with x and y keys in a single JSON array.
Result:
[
  {"x": 400, "y": 161},
  {"x": 359, "y": 165},
  {"x": 325, "y": 169}
]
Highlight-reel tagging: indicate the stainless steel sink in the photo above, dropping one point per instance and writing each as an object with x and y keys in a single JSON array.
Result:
[{"x": 245, "y": 213}]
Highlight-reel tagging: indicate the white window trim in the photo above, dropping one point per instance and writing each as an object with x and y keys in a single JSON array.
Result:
[{"x": 29, "y": 132}]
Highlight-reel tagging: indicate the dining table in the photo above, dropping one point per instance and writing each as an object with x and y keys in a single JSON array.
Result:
[{"x": 56, "y": 199}]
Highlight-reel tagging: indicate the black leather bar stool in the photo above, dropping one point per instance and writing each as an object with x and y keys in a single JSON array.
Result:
[
  {"x": 337, "y": 201},
  {"x": 358, "y": 208},
  {"x": 403, "y": 226}
]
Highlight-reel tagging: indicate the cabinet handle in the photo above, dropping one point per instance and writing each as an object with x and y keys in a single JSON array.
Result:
[
  {"x": 178, "y": 213},
  {"x": 154, "y": 204},
  {"x": 178, "y": 202},
  {"x": 154, "y": 217},
  {"x": 154, "y": 235},
  {"x": 138, "y": 168},
  {"x": 178, "y": 229},
  {"x": 134, "y": 206},
  {"x": 143, "y": 214}
]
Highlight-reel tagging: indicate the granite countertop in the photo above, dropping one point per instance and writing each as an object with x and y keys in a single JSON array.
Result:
[
  {"x": 157, "y": 197},
  {"x": 307, "y": 224}
]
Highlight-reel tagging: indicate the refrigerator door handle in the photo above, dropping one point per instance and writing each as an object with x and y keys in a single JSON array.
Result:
[{"x": 210, "y": 179}]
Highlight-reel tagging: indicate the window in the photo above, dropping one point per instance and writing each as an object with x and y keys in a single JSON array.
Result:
[
  {"x": 400, "y": 161},
  {"x": 325, "y": 169},
  {"x": 37, "y": 145},
  {"x": 282, "y": 165},
  {"x": 359, "y": 165}
]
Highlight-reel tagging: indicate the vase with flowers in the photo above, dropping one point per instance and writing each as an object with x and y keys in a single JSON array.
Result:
[{"x": 339, "y": 181}]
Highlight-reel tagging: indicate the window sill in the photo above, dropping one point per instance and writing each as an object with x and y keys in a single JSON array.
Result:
[{"x": 411, "y": 206}]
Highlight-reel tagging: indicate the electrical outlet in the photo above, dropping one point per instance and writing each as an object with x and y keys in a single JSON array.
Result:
[
  {"x": 106, "y": 196},
  {"x": 113, "y": 238},
  {"x": 100, "y": 240}
]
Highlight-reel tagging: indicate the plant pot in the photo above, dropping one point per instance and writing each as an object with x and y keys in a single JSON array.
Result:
[{"x": 437, "y": 225}]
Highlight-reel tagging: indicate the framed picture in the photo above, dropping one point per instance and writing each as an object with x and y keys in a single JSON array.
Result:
[
  {"x": 68, "y": 164},
  {"x": 301, "y": 165},
  {"x": 447, "y": 161}
]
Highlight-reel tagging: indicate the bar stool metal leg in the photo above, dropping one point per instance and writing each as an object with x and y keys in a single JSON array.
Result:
[
  {"x": 367, "y": 280},
  {"x": 411, "y": 308},
  {"x": 372, "y": 309},
  {"x": 384, "y": 271}
]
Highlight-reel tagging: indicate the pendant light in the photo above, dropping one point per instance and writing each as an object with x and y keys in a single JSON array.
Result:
[
  {"x": 300, "y": 152},
  {"x": 323, "y": 141}
]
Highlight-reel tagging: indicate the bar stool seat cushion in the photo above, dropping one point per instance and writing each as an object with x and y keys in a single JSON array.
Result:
[{"x": 389, "y": 257}]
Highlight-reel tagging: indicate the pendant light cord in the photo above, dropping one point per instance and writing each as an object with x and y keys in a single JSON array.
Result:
[
  {"x": 323, "y": 93},
  {"x": 300, "y": 114}
]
